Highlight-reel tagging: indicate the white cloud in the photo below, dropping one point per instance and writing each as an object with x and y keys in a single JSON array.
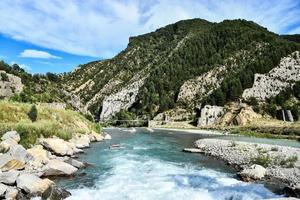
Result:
[
  {"x": 31, "y": 53},
  {"x": 101, "y": 27}
]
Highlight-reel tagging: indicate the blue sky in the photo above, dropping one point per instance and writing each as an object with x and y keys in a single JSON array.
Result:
[{"x": 56, "y": 35}]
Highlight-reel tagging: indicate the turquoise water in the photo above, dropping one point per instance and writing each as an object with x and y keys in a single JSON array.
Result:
[{"x": 151, "y": 165}]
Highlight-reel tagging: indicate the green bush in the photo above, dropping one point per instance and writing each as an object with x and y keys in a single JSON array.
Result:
[
  {"x": 264, "y": 160},
  {"x": 4, "y": 77},
  {"x": 33, "y": 113}
]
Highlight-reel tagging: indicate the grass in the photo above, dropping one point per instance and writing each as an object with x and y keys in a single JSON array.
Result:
[
  {"x": 253, "y": 133},
  {"x": 50, "y": 122},
  {"x": 266, "y": 160}
]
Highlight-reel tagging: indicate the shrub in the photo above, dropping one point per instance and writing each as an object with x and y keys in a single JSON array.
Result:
[
  {"x": 32, "y": 114},
  {"x": 263, "y": 160},
  {"x": 289, "y": 162},
  {"x": 4, "y": 77}
]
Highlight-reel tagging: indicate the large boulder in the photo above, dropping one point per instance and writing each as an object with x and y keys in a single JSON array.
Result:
[
  {"x": 10, "y": 177},
  {"x": 33, "y": 184},
  {"x": 39, "y": 154},
  {"x": 210, "y": 115},
  {"x": 252, "y": 173},
  {"x": 95, "y": 137},
  {"x": 6, "y": 144},
  {"x": 3, "y": 189},
  {"x": 58, "y": 146},
  {"x": 19, "y": 152},
  {"x": 81, "y": 141},
  {"x": 11, "y": 193},
  {"x": 7, "y": 162},
  {"x": 11, "y": 135},
  {"x": 55, "y": 193},
  {"x": 246, "y": 116},
  {"x": 75, "y": 163},
  {"x": 58, "y": 168},
  {"x": 107, "y": 136}
]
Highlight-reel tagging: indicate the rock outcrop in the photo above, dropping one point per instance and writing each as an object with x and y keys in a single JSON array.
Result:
[
  {"x": 210, "y": 115},
  {"x": 176, "y": 114},
  {"x": 279, "y": 78},
  {"x": 9, "y": 84},
  {"x": 121, "y": 100}
]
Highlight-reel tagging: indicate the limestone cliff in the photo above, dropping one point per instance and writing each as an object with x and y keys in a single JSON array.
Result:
[
  {"x": 121, "y": 100},
  {"x": 279, "y": 78}
]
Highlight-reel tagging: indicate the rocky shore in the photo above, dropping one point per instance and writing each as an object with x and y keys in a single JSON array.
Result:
[
  {"x": 25, "y": 173},
  {"x": 276, "y": 166}
]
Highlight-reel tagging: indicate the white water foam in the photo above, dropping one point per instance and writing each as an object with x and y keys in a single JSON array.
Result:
[{"x": 135, "y": 177}]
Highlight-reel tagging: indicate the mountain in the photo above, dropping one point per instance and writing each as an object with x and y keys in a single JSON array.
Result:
[
  {"x": 174, "y": 71},
  {"x": 294, "y": 38},
  {"x": 186, "y": 64}
]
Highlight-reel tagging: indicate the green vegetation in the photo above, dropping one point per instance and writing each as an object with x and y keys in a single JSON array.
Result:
[
  {"x": 32, "y": 114},
  {"x": 3, "y": 77},
  {"x": 49, "y": 122},
  {"x": 294, "y": 38},
  {"x": 266, "y": 133},
  {"x": 265, "y": 160},
  {"x": 38, "y": 87}
]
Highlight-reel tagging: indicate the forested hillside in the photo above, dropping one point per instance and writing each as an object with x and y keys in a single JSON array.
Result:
[
  {"x": 165, "y": 59},
  {"x": 37, "y": 88}
]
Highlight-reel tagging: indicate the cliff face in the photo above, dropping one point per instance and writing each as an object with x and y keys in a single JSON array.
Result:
[
  {"x": 272, "y": 83},
  {"x": 9, "y": 85},
  {"x": 122, "y": 100}
]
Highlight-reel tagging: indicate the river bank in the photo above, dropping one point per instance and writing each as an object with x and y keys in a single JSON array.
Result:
[
  {"x": 26, "y": 173},
  {"x": 276, "y": 166}
]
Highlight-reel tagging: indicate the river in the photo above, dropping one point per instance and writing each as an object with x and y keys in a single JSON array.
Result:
[{"x": 152, "y": 166}]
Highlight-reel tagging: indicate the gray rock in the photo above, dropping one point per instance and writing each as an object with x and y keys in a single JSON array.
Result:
[
  {"x": 192, "y": 150},
  {"x": 10, "y": 177},
  {"x": 58, "y": 146},
  {"x": 254, "y": 172},
  {"x": 55, "y": 193},
  {"x": 210, "y": 115},
  {"x": 3, "y": 189},
  {"x": 81, "y": 141},
  {"x": 75, "y": 163},
  {"x": 107, "y": 136},
  {"x": 6, "y": 144},
  {"x": 59, "y": 168},
  {"x": 11, "y": 193},
  {"x": 4, "y": 158},
  {"x": 32, "y": 184},
  {"x": 19, "y": 152},
  {"x": 11, "y": 86},
  {"x": 11, "y": 135}
]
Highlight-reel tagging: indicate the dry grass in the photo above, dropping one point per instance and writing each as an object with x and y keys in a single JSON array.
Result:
[{"x": 50, "y": 121}]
